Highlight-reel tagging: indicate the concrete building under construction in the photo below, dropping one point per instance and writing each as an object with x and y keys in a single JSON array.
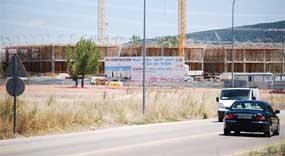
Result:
[{"x": 210, "y": 59}]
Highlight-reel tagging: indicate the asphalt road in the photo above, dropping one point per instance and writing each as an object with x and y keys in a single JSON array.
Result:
[{"x": 197, "y": 138}]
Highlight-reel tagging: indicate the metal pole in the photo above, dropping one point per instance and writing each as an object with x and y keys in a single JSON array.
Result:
[
  {"x": 233, "y": 67},
  {"x": 283, "y": 57},
  {"x": 144, "y": 54},
  {"x": 14, "y": 90}
]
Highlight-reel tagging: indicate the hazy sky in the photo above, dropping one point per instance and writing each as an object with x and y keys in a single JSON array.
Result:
[{"x": 20, "y": 19}]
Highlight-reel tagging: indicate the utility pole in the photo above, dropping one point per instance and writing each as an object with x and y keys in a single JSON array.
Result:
[
  {"x": 283, "y": 58},
  {"x": 144, "y": 54},
  {"x": 233, "y": 66}
]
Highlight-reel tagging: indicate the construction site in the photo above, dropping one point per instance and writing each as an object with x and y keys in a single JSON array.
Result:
[
  {"x": 95, "y": 77},
  {"x": 207, "y": 57},
  {"x": 215, "y": 60}
]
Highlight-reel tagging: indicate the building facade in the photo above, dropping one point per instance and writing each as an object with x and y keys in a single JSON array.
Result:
[{"x": 213, "y": 60}]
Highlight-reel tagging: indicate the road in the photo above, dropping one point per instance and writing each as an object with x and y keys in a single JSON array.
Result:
[{"x": 197, "y": 138}]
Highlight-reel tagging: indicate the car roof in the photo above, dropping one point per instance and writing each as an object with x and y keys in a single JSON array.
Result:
[
  {"x": 253, "y": 101},
  {"x": 238, "y": 88},
  {"x": 235, "y": 88}
]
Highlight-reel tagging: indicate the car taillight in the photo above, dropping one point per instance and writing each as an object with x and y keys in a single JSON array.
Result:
[
  {"x": 229, "y": 116},
  {"x": 260, "y": 117}
]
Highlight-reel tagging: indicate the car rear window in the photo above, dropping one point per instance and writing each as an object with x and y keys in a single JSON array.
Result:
[
  {"x": 235, "y": 94},
  {"x": 248, "y": 106}
]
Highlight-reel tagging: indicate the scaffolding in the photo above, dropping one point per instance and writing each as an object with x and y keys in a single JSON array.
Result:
[{"x": 210, "y": 59}]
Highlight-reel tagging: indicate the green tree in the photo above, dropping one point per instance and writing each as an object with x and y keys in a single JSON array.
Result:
[
  {"x": 83, "y": 59},
  {"x": 136, "y": 40},
  {"x": 168, "y": 41}
]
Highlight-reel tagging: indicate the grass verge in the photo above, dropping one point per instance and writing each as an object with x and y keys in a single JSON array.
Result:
[
  {"x": 45, "y": 115},
  {"x": 277, "y": 149}
]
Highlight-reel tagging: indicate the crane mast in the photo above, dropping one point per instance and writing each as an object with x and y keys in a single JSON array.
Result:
[
  {"x": 101, "y": 22},
  {"x": 181, "y": 25}
]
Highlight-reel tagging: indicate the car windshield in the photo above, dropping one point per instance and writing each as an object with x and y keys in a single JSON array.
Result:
[
  {"x": 248, "y": 106},
  {"x": 237, "y": 94}
]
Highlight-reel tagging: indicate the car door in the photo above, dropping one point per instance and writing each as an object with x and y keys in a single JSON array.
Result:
[{"x": 273, "y": 117}]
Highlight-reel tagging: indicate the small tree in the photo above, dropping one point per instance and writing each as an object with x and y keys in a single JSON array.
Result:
[
  {"x": 82, "y": 59},
  {"x": 168, "y": 41},
  {"x": 136, "y": 40}
]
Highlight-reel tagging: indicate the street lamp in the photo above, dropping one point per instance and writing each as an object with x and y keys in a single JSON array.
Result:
[
  {"x": 144, "y": 53},
  {"x": 233, "y": 67},
  {"x": 283, "y": 58}
]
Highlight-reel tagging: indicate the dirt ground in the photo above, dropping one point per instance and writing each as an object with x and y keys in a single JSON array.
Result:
[
  {"x": 91, "y": 91},
  {"x": 70, "y": 93}
]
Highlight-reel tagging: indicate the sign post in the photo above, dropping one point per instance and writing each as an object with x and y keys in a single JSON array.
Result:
[
  {"x": 14, "y": 92},
  {"x": 15, "y": 86}
]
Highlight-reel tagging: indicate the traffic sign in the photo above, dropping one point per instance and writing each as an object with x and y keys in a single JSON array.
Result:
[
  {"x": 19, "y": 70},
  {"x": 15, "y": 86}
]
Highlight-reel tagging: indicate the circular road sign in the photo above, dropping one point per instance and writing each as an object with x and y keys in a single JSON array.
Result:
[{"x": 17, "y": 84}]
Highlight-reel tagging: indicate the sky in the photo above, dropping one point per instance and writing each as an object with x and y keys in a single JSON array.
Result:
[{"x": 23, "y": 21}]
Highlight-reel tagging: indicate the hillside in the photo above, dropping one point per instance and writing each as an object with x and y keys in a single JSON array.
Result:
[{"x": 264, "y": 32}]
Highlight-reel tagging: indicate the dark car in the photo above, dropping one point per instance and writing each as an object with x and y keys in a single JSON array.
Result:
[{"x": 251, "y": 116}]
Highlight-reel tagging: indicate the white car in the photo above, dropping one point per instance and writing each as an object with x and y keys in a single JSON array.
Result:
[{"x": 229, "y": 95}]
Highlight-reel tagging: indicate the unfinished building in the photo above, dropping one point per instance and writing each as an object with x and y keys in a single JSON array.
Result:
[{"x": 40, "y": 59}]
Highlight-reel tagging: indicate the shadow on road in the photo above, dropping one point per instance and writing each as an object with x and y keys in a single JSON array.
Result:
[
  {"x": 216, "y": 121},
  {"x": 252, "y": 135}
]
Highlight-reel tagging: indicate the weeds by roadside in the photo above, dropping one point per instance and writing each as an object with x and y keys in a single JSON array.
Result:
[
  {"x": 277, "y": 149},
  {"x": 54, "y": 115},
  {"x": 277, "y": 101}
]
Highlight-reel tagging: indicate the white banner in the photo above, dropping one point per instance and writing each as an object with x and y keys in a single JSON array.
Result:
[{"x": 157, "y": 68}]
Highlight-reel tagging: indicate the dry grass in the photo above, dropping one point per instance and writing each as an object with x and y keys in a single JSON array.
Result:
[
  {"x": 37, "y": 116},
  {"x": 277, "y": 101},
  {"x": 277, "y": 149},
  {"x": 53, "y": 109}
]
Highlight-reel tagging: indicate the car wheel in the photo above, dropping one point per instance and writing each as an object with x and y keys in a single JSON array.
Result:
[
  {"x": 237, "y": 132},
  {"x": 269, "y": 132},
  {"x": 227, "y": 132},
  {"x": 277, "y": 131}
]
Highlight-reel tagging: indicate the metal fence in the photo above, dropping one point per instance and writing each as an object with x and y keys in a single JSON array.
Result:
[
  {"x": 247, "y": 84},
  {"x": 279, "y": 85}
]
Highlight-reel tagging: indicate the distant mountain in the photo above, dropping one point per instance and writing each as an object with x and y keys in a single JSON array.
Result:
[{"x": 264, "y": 32}]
